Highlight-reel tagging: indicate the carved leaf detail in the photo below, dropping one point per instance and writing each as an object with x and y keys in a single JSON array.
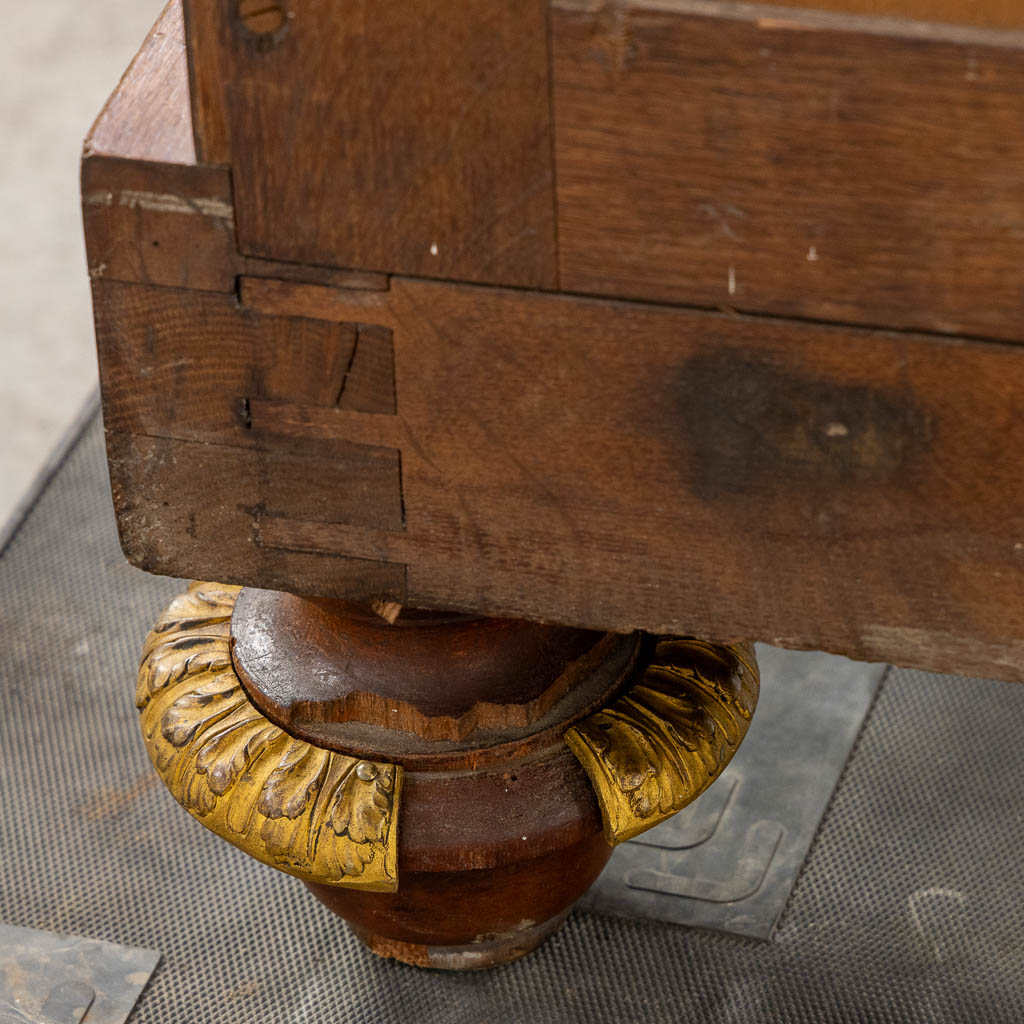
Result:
[
  {"x": 177, "y": 659},
  {"x": 294, "y": 782},
  {"x": 205, "y": 608},
  {"x": 344, "y": 858},
  {"x": 320, "y": 815},
  {"x": 235, "y": 743},
  {"x": 361, "y": 806},
  {"x": 199, "y": 707},
  {"x": 661, "y": 745},
  {"x": 196, "y": 796}
]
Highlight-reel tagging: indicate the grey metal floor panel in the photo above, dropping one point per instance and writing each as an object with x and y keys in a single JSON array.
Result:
[
  {"x": 910, "y": 906},
  {"x": 62, "y": 979},
  {"x": 730, "y": 860}
]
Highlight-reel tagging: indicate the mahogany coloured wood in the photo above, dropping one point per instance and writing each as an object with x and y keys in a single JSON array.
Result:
[
  {"x": 496, "y": 902},
  {"x": 309, "y": 665}
]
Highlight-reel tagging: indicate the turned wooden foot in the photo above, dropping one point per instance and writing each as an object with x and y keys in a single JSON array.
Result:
[{"x": 449, "y": 785}]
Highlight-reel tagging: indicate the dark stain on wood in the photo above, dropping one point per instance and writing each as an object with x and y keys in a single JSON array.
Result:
[{"x": 752, "y": 424}]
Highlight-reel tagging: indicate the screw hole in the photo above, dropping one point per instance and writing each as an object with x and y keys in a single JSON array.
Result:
[{"x": 262, "y": 17}]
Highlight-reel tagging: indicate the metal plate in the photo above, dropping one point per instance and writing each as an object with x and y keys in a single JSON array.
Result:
[
  {"x": 59, "y": 979},
  {"x": 730, "y": 860}
]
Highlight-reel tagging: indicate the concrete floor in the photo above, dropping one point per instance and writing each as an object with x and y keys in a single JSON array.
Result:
[{"x": 60, "y": 60}]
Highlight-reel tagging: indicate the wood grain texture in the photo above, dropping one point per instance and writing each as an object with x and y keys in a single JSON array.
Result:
[
  {"x": 173, "y": 224},
  {"x": 439, "y": 690},
  {"x": 159, "y": 223},
  {"x": 179, "y": 373},
  {"x": 609, "y": 465},
  {"x": 981, "y": 13},
  {"x": 411, "y": 137},
  {"x": 151, "y": 212},
  {"x": 615, "y": 466},
  {"x": 176, "y": 501},
  {"x": 147, "y": 117},
  {"x": 202, "y": 26},
  {"x": 811, "y": 165}
]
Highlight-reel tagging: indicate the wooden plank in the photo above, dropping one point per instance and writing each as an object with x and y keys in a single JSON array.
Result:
[
  {"x": 980, "y": 13},
  {"x": 221, "y": 497},
  {"x": 173, "y": 224},
  {"x": 313, "y": 424},
  {"x": 411, "y": 137},
  {"x": 619, "y": 465},
  {"x": 147, "y": 117},
  {"x": 284, "y": 297},
  {"x": 369, "y": 384},
  {"x": 191, "y": 365},
  {"x": 159, "y": 223},
  {"x": 203, "y": 25},
  {"x": 192, "y": 469},
  {"x": 152, "y": 214},
  {"x": 811, "y": 165}
]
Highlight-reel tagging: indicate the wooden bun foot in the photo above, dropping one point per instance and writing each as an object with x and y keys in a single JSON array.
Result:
[
  {"x": 470, "y": 919},
  {"x": 448, "y": 785},
  {"x": 488, "y": 951}
]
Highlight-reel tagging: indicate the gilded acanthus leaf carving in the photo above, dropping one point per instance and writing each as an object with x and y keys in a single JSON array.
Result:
[
  {"x": 659, "y": 746},
  {"x": 314, "y": 813}
]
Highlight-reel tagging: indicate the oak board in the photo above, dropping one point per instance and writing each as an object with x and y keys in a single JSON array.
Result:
[{"x": 600, "y": 464}]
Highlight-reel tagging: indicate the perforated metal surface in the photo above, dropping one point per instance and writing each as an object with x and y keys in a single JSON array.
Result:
[
  {"x": 62, "y": 979},
  {"x": 730, "y": 860},
  {"x": 909, "y": 907}
]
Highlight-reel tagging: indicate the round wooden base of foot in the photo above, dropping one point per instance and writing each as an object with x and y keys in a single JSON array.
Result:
[
  {"x": 473, "y": 917},
  {"x": 491, "y": 951},
  {"x": 448, "y": 785}
]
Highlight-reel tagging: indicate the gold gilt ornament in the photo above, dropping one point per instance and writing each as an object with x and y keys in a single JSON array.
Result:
[
  {"x": 659, "y": 746},
  {"x": 313, "y": 813}
]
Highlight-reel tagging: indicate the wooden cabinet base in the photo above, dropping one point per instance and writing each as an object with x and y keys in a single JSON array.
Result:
[{"x": 449, "y": 785}]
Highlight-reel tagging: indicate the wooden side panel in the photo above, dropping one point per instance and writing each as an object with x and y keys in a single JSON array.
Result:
[
  {"x": 150, "y": 212},
  {"x": 808, "y": 165},
  {"x": 173, "y": 224},
  {"x": 221, "y": 498},
  {"x": 411, "y": 137},
  {"x": 181, "y": 374},
  {"x": 614, "y": 465},
  {"x": 147, "y": 116}
]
